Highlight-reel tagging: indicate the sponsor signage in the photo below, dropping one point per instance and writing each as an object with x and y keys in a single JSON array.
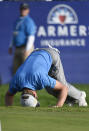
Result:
[
  {"x": 64, "y": 25},
  {"x": 63, "y": 28}
]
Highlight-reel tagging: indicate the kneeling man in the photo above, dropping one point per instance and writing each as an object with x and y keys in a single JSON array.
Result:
[{"x": 43, "y": 69}]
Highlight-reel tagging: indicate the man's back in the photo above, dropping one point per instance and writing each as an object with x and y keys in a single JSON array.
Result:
[
  {"x": 34, "y": 71},
  {"x": 37, "y": 61}
]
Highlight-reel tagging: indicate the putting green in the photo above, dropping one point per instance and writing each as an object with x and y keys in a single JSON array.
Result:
[
  {"x": 17, "y": 118},
  {"x": 44, "y": 119}
]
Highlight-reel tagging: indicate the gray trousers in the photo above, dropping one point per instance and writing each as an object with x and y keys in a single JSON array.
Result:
[{"x": 57, "y": 73}]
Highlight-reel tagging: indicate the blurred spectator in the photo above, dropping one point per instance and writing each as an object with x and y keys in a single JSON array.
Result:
[{"x": 23, "y": 37}]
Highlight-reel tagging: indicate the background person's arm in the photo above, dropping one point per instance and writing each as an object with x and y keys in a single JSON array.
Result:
[
  {"x": 62, "y": 95},
  {"x": 9, "y": 99},
  {"x": 30, "y": 42},
  {"x": 30, "y": 31},
  {"x": 29, "y": 45}
]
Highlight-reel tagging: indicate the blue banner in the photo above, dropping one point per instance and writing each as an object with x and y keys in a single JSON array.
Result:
[{"x": 64, "y": 25}]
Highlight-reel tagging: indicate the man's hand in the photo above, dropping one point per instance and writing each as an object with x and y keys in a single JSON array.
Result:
[
  {"x": 26, "y": 54},
  {"x": 10, "y": 50},
  {"x": 28, "y": 91},
  {"x": 34, "y": 94},
  {"x": 62, "y": 95}
]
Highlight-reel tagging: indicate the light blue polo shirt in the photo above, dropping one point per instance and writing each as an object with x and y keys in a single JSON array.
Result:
[
  {"x": 33, "y": 73},
  {"x": 24, "y": 27}
]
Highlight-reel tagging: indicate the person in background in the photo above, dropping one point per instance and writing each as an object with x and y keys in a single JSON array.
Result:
[{"x": 23, "y": 37}]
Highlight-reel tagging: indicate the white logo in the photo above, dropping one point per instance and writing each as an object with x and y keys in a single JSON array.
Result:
[
  {"x": 63, "y": 28},
  {"x": 62, "y": 14}
]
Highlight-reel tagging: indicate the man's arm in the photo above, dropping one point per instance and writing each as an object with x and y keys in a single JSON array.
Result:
[
  {"x": 62, "y": 95},
  {"x": 47, "y": 81},
  {"x": 31, "y": 31},
  {"x": 9, "y": 99},
  {"x": 29, "y": 45}
]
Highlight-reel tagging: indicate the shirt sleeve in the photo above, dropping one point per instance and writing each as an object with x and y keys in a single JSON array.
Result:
[
  {"x": 47, "y": 81},
  {"x": 30, "y": 42},
  {"x": 30, "y": 27}
]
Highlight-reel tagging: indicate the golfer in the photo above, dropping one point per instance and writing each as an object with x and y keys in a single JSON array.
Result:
[{"x": 43, "y": 69}]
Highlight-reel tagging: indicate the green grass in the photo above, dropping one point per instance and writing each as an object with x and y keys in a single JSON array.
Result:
[{"x": 18, "y": 118}]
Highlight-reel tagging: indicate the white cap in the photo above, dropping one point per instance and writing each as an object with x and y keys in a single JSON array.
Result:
[{"x": 29, "y": 100}]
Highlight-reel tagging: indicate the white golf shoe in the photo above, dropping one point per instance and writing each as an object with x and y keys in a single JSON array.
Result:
[{"x": 82, "y": 100}]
